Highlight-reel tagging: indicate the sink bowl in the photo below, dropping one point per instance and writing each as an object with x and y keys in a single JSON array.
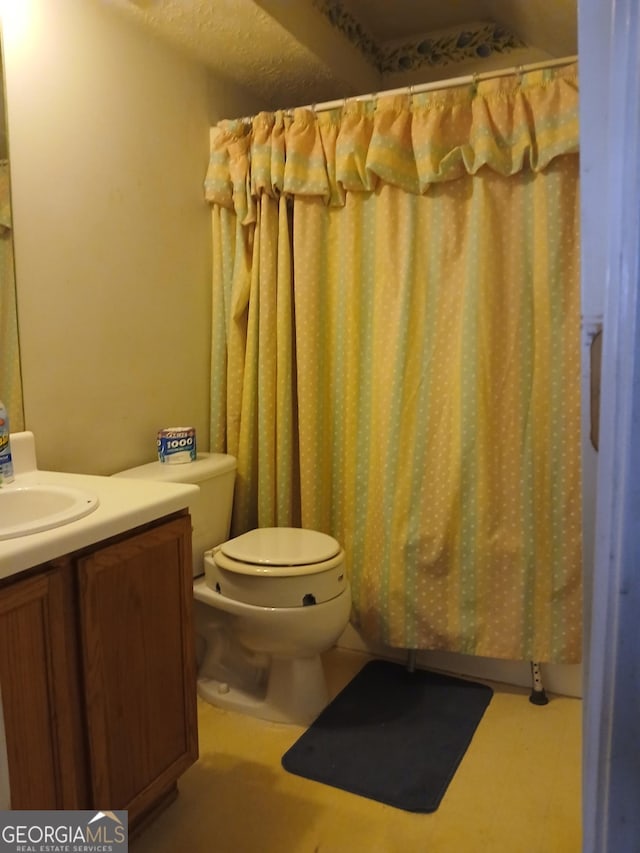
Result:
[{"x": 33, "y": 508}]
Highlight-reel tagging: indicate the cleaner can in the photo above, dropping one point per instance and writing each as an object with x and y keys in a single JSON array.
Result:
[{"x": 6, "y": 463}]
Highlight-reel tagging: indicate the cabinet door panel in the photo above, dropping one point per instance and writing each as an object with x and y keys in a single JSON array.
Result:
[
  {"x": 37, "y": 694},
  {"x": 139, "y": 665}
]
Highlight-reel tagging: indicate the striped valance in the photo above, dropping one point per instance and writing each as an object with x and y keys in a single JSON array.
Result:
[{"x": 411, "y": 141}]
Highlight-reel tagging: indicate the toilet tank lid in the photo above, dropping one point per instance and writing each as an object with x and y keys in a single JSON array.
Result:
[
  {"x": 281, "y": 546},
  {"x": 204, "y": 467}
]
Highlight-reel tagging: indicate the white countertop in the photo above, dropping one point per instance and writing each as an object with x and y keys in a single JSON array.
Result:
[{"x": 124, "y": 504}]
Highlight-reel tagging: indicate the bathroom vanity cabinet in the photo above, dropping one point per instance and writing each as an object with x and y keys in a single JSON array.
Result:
[{"x": 97, "y": 673}]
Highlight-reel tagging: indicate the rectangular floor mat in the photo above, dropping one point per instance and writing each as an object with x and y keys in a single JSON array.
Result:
[{"x": 392, "y": 735}]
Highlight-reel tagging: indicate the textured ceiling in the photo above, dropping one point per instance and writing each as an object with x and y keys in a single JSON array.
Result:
[
  {"x": 291, "y": 52},
  {"x": 236, "y": 39}
]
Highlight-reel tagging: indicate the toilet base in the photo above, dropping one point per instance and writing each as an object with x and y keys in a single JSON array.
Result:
[{"x": 296, "y": 692}]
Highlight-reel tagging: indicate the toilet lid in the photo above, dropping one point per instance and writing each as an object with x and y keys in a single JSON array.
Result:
[{"x": 281, "y": 546}]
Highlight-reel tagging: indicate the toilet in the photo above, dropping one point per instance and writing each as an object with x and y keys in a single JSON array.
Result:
[{"x": 267, "y": 603}]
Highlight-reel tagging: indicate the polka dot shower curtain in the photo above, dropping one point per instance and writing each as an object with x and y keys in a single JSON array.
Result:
[{"x": 395, "y": 355}]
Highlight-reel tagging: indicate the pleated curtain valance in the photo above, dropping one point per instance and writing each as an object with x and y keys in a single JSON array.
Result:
[{"x": 507, "y": 124}]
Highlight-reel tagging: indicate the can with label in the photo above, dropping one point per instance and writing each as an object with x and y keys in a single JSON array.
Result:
[{"x": 177, "y": 444}]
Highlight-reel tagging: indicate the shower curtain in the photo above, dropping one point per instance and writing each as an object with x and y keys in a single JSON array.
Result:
[{"x": 395, "y": 353}]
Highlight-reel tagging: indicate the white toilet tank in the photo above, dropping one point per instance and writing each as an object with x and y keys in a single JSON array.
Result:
[{"x": 210, "y": 510}]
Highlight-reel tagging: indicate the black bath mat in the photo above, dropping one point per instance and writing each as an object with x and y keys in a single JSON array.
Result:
[{"x": 392, "y": 735}]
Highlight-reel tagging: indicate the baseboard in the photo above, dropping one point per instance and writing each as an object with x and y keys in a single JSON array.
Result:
[{"x": 560, "y": 679}]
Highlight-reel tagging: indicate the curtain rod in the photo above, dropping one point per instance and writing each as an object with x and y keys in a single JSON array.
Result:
[{"x": 435, "y": 85}]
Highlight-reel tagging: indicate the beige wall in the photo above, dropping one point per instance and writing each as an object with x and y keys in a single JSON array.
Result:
[{"x": 108, "y": 133}]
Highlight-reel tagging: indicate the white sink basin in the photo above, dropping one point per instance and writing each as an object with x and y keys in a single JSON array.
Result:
[{"x": 33, "y": 508}]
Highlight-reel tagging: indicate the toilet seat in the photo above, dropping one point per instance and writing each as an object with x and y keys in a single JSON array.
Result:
[
  {"x": 277, "y": 567},
  {"x": 280, "y": 552}
]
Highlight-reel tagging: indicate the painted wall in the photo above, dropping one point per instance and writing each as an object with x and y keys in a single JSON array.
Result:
[{"x": 108, "y": 134}]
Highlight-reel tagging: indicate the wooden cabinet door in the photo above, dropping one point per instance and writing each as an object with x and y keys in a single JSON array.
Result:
[
  {"x": 39, "y": 698},
  {"x": 139, "y": 665}
]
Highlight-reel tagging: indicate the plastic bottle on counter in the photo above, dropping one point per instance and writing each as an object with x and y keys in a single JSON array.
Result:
[{"x": 6, "y": 463}]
